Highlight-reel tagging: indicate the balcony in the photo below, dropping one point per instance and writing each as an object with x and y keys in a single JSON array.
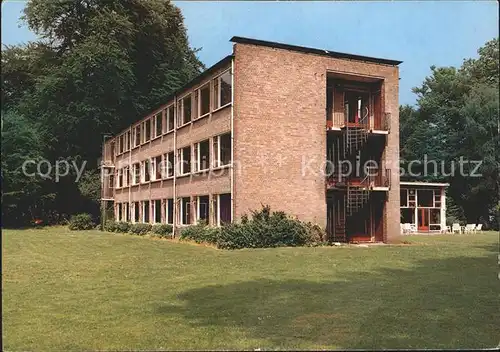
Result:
[
  {"x": 380, "y": 124},
  {"x": 373, "y": 179}
]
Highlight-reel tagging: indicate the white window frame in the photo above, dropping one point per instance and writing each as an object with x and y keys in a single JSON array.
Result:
[
  {"x": 144, "y": 212},
  {"x": 155, "y": 123},
  {"x": 167, "y": 213},
  {"x": 136, "y": 170},
  {"x": 181, "y": 159},
  {"x": 198, "y": 208},
  {"x": 197, "y": 150},
  {"x": 217, "y": 153},
  {"x": 134, "y": 137},
  {"x": 180, "y": 116},
  {"x": 168, "y": 118},
  {"x": 217, "y": 102},
  {"x": 143, "y": 134},
  {"x": 181, "y": 213},
  {"x": 199, "y": 115}
]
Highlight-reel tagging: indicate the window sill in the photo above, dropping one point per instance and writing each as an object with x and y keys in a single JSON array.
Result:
[
  {"x": 201, "y": 172},
  {"x": 202, "y": 116},
  {"x": 168, "y": 178},
  {"x": 184, "y": 125},
  {"x": 183, "y": 175},
  {"x": 155, "y": 138},
  {"x": 222, "y": 167},
  {"x": 222, "y": 107},
  {"x": 155, "y": 180},
  {"x": 168, "y": 132}
]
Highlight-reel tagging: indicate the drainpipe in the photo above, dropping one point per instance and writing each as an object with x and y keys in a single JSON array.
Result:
[
  {"x": 174, "y": 195},
  {"x": 129, "y": 171},
  {"x": 232, "y": 139}
]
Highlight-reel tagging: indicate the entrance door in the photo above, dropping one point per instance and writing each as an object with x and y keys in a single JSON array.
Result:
[{"x": 423, "y": 219}]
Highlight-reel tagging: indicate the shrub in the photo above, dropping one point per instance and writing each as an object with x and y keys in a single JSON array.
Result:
[
  {"x": 122, "y": 227},
  {"x": 200, "y": 233},
  {"x": 267, "y": 229},
  {"x": 162, "y": 230},
  {"x": 110, "y": 226},
  {"x": 81, "y": 222},
  {"x": 140, "y": 229}
]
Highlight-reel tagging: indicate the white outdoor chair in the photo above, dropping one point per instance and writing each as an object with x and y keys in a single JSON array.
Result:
[
  {"x": 479, "y": 227},
  {"x": 470, "y": 228},
  {"x": 413, "y": 228},
  {"x": 456, "y": 228}
]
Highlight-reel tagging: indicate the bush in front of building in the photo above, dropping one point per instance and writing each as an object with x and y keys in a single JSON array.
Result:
[
  {"x": 200, "y": 233},
  {"x": 162, "y": 230},
  {"x": 81, "y": 222},
  {"x": 266, "y": 229},
  {"x": 110, "y": 226},
  {"x": 140, "y": 229},
  {"x": 122, "y": 227}
]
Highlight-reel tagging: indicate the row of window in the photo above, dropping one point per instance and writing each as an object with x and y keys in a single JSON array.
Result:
[
  {"x": 213, "y": 95},
  {"x": 189, "y": 210},
  {"x": 421, "y": 198},
  {"x": 193, "y": 158}
]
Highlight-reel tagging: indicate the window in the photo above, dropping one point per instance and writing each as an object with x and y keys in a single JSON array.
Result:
[
  {"x": 127, "y": 141},
  {"x": 127, "y": 212},
  {"x": 404, "y": 197},
  {"x": 202, "y": 156},
  {"x": 111, "y": 181},
  {"x": 204, "y": 100},
  {"x": 169, "y": 214},
  {"x": 222, "y": 208},
  {"x": 222, "y": 90},
  {"x": 425, "y": 198},
  {"x": 157, "y": 168},
  {"x": 435, "y": 215},
  {"x": 120, "y": 178},
  {"x": 202, "y": 210},
  {"x": 147, "y": 130},
  {"x": 146, "y": 168},
  {"x": 158, "y": 124},
  {"x": 185, "y": 211},
  {"x": 126, "y": 176},
  {"x": 168, "y": 165},
  {"x": 135, "y": 205},
  {"x": 170, "y": 118},
  {"x": 137, "y": 139},
  {"x": 184, "y": 111},
  {"x": 145, "y": 211},
  {"x": 157, "y": 211},
  {"x": 136, "y": 170},
  {"x": 119, "y": 212},
  {"x": 121, "y": 143},
  {"x": 222, "y": 150},
  {"x": 185, "y": 158}
]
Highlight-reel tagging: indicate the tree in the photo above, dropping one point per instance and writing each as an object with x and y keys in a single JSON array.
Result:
[
  {"x": 457, "y": 117},
  {"x": 98, "y": 67}
]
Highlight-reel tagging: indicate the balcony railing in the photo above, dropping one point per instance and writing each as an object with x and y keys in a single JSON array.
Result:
[
  {"x": 380, "y": 122},
  {"x": 372, "y": 178}
]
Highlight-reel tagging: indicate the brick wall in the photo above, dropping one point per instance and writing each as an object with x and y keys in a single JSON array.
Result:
[{"x": 279, "y": 121}]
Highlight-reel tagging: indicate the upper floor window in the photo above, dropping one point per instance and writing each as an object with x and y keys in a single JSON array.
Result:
[
  {"x": 157, "y": 167},
  {"x": 185, "y": 160},
  {"x": 222, "y": 150},
  {"x": 222, "y": 90},
  {"x": 136, "y": 174},
  {"x": 184, "y": 111},
  {"x": 169, "y": 113},
  {"x": 147, "y": 130},
  {"x": 202, "y": 156},
  {"x": 137, "y": 135},
  {"x": 158, "y": 124},
  {"x": 127, "y": 141},
  {"x": 204, "y": 100}
]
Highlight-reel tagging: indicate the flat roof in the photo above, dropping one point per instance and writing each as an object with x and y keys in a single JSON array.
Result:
[
  {"x": 417, "y": 183},
  {"x": 323, "y": 52}
]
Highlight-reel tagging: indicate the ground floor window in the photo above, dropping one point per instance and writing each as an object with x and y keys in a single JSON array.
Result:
[
  {"x": 408, "y": 215},
  {"x": 157, "y": 211},
  {"x": 119, "y": 212},
  {"x": 202, "y": 208},
  {"x": 136, "y": 211},
  {"x": 127, "y": 212},
  {"x": 145, "y": 211},
  {"x": 222, "y": 209},
  {"x": 169, "y": 211},
  {"x": 185, "y": 211}
]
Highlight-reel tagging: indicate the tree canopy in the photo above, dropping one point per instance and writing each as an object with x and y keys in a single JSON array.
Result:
[
  {"x": 456, "y": 116},
  {"x": 97, "y": 67}
]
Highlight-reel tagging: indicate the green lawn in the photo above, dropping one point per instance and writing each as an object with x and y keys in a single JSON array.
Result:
[{"x": 66, "y": 290}]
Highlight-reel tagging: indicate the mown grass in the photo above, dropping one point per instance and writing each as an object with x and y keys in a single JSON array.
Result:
[{"x": 65, "y": 290}]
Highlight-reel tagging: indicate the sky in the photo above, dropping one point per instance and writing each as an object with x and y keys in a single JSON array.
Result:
[{"x": 419, "y": 33}]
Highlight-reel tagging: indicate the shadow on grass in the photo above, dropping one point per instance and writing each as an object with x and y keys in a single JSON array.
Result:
[{"x": 445, "y": 303}]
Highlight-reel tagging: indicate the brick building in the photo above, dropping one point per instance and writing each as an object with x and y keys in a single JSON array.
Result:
[{"x": 269, "y": 124}]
